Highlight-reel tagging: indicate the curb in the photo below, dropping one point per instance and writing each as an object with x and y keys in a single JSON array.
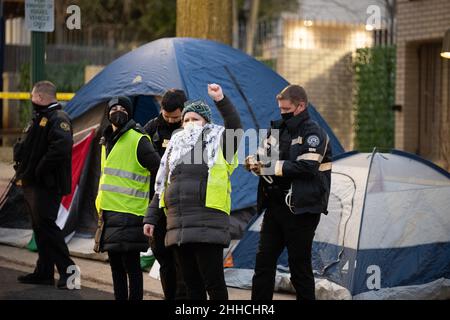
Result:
[{"x": 83, "y": 277}]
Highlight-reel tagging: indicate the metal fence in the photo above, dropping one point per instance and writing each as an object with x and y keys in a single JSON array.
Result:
[
  {"x": 16, "y": 56},
  {"x": 273, "y": 34}
]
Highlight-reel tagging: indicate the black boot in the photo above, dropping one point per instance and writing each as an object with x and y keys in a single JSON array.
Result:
[
  {"x": 62, "y": 284},
  {"x": 33, "y": 278}
]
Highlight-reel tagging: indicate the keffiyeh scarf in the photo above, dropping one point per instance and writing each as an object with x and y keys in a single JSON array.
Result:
[{"x": 182, "y": 143}]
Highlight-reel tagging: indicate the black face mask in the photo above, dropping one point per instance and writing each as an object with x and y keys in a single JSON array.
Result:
[
  {"x": 173, "y": 126},
  {"x": 287, "y": 116},
  {"x": 118, "y": 118},
  {"x": 38, "y": 107}
]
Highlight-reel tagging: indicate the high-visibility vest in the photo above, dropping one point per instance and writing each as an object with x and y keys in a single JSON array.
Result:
[
  {"x": 124, "y": 184},
  {"x": 218, "y": 188}
]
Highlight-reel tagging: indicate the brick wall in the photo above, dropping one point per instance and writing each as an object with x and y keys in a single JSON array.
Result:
[
  {"x": 328, "y": 79},
  {"x": 320, "y": 59},
  {"x": 418, "y": 22}
]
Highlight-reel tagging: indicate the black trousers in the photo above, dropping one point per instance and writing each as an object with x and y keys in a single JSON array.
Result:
[
  {"x": 202, "y": 268},
  {"x": 280, "y": 229},
  {"x": 169, "y": 271},
  {"x": 126, "y": 268},
  {"x": 52, "y": 249}
]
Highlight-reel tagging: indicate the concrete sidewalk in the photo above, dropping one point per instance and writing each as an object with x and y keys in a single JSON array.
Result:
[
  {"x": 12, "y": 290},
  {"x": 97, "y": 275}
]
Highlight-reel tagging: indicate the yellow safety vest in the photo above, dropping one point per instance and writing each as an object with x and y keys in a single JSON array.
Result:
[
  {"x": 124, "y": 184},
  {"x": 218, "y": 188}
]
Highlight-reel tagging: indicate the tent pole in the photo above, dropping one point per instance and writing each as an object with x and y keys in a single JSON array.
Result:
[{"x": 361, "y": 221}]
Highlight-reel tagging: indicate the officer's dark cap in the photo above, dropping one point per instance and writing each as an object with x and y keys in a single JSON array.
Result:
[{"x": 293, "y": 93}]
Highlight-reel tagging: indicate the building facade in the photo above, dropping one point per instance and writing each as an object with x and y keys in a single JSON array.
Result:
[
  {"x": 315, "y": 47},
  {"x": 423, "y": 80}
]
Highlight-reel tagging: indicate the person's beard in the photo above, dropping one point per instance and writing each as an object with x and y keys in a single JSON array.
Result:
[{"x": 174, "y": 125}]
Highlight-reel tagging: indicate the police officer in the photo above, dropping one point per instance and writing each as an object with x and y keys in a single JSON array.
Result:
[
  {"x": 294, "y": 191},
  {"x": 160, "y": 129},
  {"x": 43, "y": 168}
]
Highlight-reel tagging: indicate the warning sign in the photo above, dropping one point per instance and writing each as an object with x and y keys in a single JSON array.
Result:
[{"x": 40, "y": 15}]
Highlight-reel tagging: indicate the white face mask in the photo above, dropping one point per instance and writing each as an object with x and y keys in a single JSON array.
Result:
[{"x": 190, "y": 126}]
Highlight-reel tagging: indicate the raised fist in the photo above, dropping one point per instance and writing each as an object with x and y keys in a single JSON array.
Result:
[{"x": 215, "y": 92}]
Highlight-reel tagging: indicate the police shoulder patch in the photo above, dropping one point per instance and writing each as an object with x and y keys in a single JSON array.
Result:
[
  {"x": 65, "y": 126},
  {"x": 313, "y": 141}
]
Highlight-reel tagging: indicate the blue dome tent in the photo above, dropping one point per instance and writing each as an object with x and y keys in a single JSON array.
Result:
[
  {"x": 144, "y": 74},
  {"x": 386, "y": 235},
  {"x": 190, "y": 64}
]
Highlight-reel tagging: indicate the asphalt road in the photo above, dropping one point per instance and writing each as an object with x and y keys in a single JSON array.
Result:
[{"x": 10, "y": 289}]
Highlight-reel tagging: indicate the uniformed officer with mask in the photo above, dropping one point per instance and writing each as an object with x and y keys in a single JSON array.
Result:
[
  {"x": 295, "y": 166},
  {"x": 160, "y": 129},
  {"x": 43, "y": 162}
]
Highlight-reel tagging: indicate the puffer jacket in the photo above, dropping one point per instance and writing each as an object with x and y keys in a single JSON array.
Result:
[
  {"x": 188, "y": 220},
  {"x": 122, "y": 232}
]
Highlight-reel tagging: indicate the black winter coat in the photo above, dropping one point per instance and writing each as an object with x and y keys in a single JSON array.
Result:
[
  {"x": 188, "y": 220},
  {"x": 305, "y": 165},
  {"x": 44, "y": 157},
  {"x": 122, "y": 232},
  {"x": 160, "y": 132}
]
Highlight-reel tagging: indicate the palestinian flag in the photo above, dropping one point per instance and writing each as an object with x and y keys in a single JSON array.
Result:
[{"x": 80, "y": 153}]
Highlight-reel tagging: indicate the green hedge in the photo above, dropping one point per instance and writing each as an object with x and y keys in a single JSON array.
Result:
[{"x": 375, "y": 96}]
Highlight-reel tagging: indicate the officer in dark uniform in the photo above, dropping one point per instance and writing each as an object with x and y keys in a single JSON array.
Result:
[
  {"x": 160, "y": 129},
  {"x": 44, "y": 170},
  {"x": 295, "y": 168}
]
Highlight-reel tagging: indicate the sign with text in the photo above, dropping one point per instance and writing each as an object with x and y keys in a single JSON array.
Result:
[{"x": 40, "y": 15}]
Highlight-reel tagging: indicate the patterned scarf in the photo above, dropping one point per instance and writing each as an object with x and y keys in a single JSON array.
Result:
[{"x": 182, "y": 143}]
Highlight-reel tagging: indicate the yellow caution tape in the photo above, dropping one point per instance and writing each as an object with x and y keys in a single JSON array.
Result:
[{"x": 62, "y": 96}]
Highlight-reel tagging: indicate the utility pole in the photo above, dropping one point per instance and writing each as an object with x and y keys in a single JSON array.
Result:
[
  {"x": 40, "y": 18},
  {"x": 2, "y": 56},
  {"x": 37, "y": 56}
]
